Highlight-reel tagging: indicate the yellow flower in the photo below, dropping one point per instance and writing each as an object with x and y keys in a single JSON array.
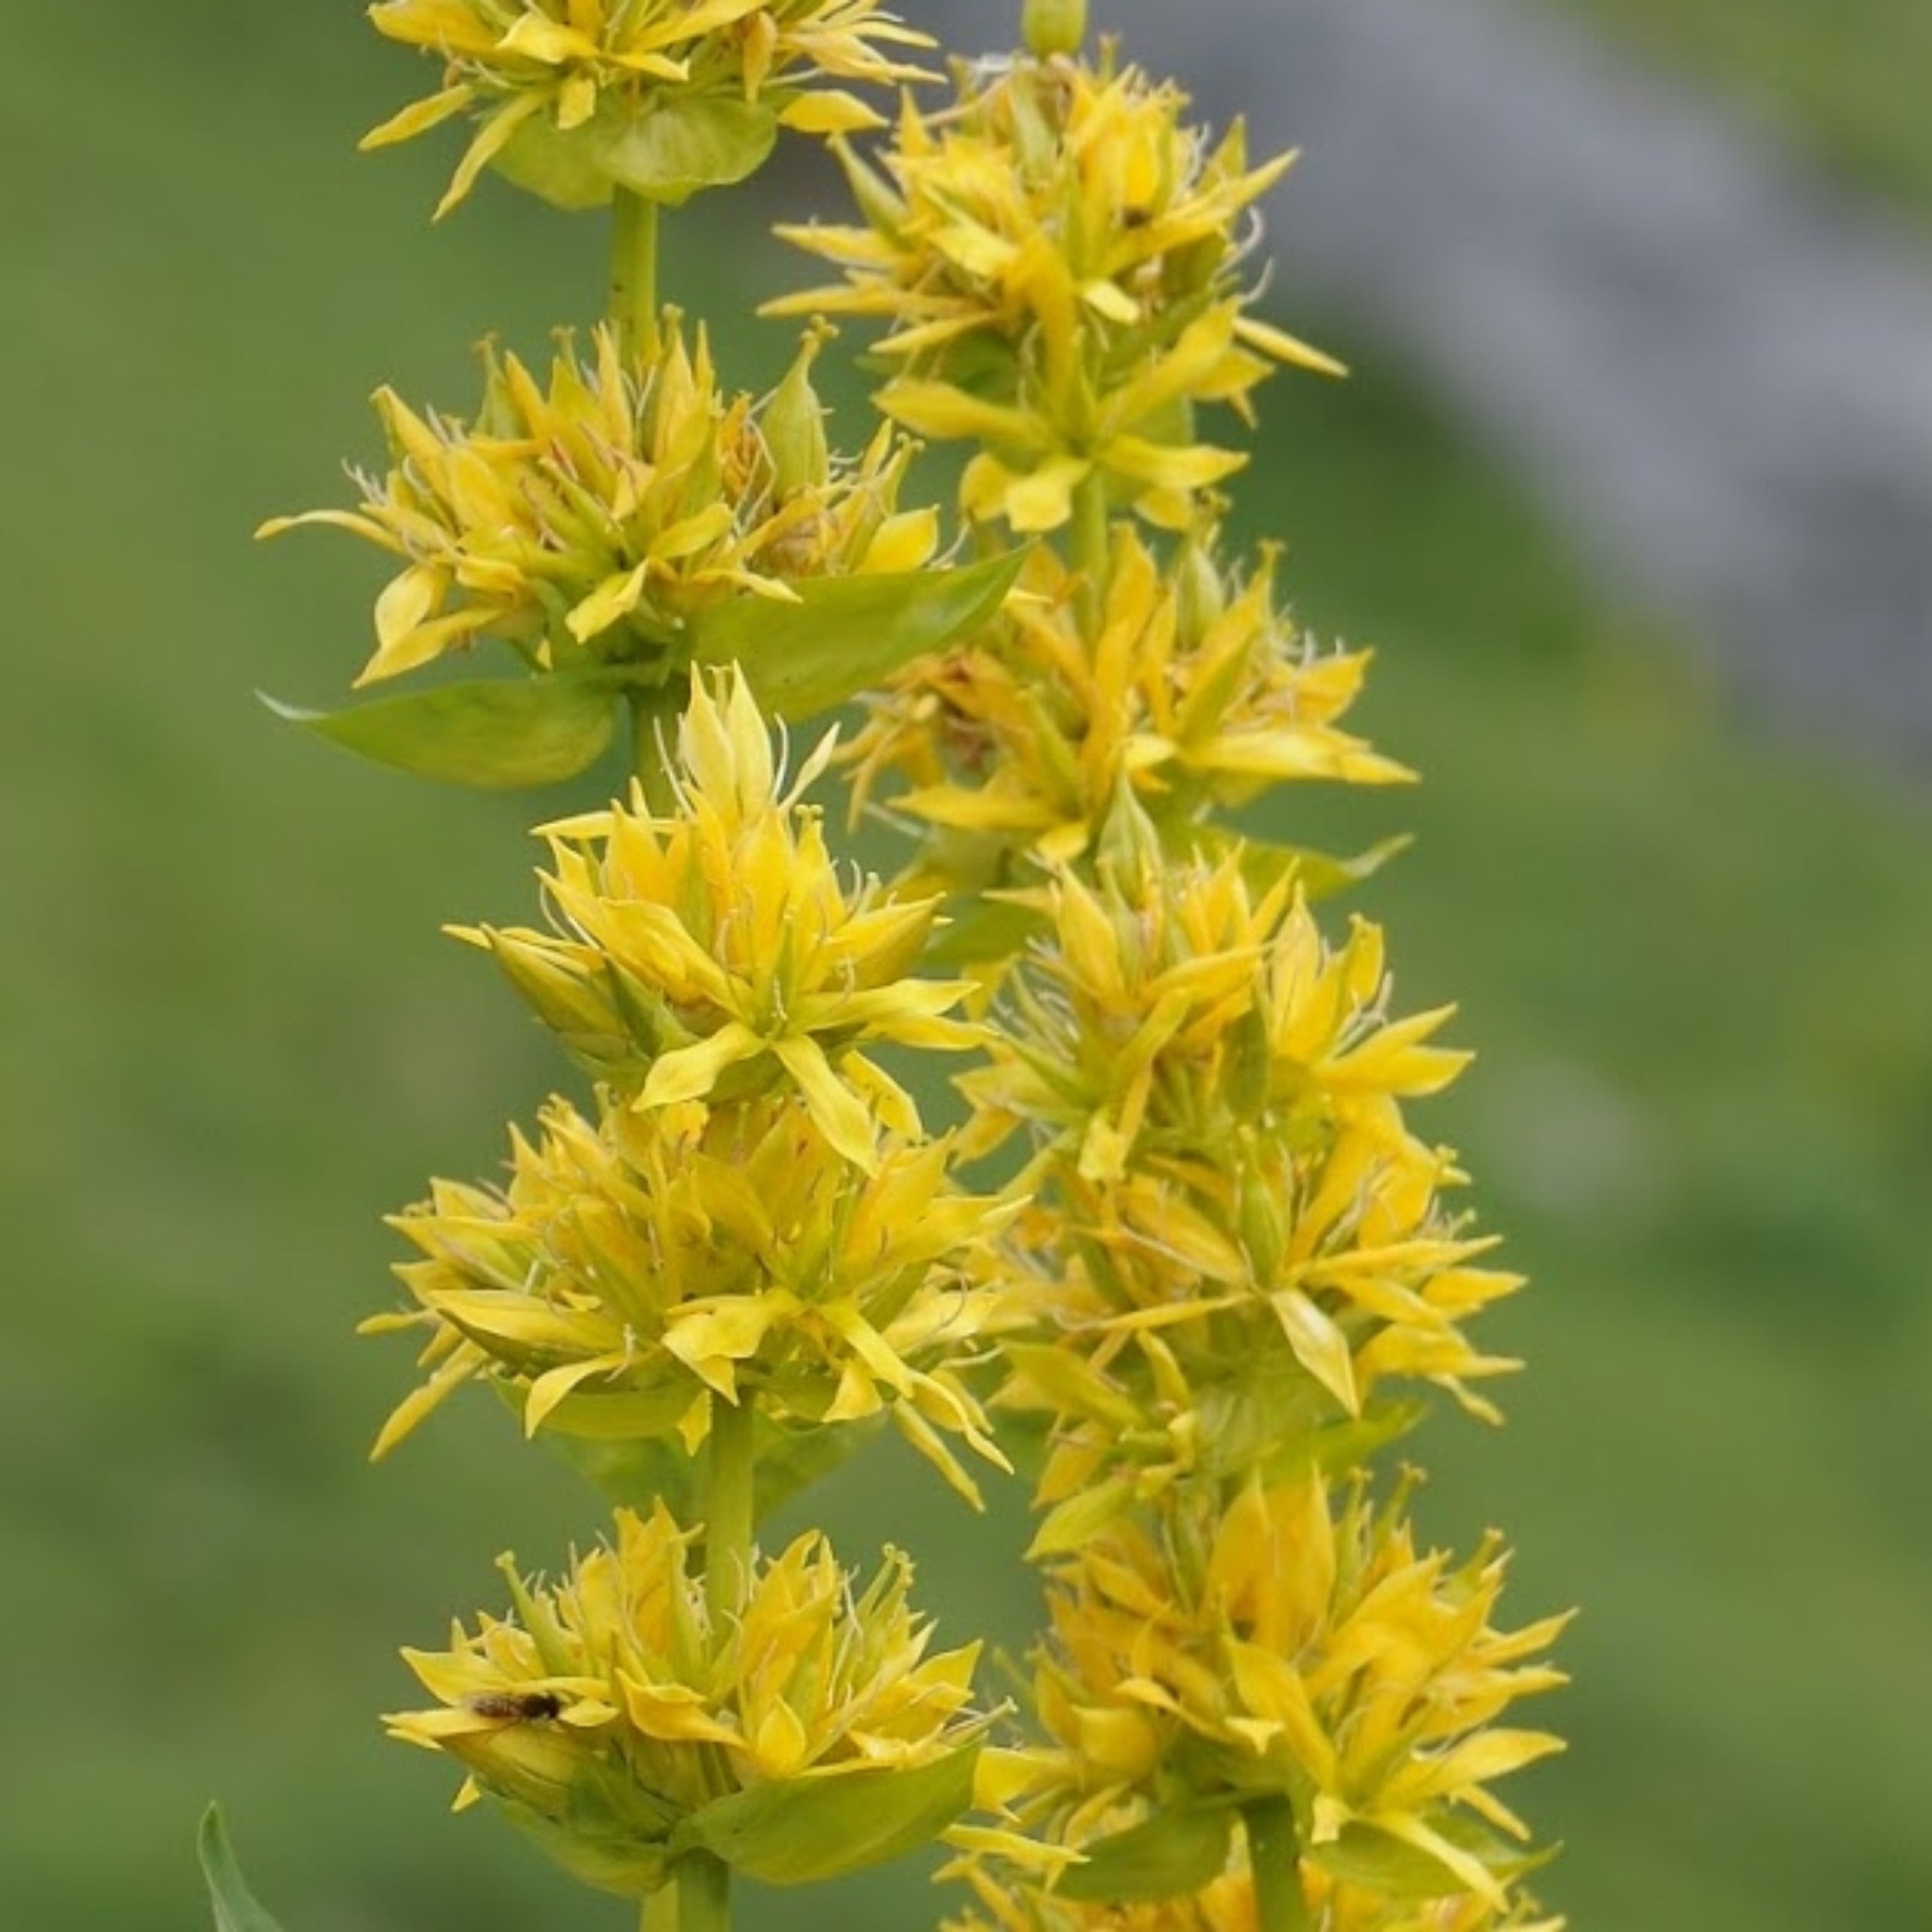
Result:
[
  {"x": 807, "y": 1734},
  {"x": 526, "y": 68},
  {"x": 588, "y": 523},
  {"x": 1227, "y": 1904},
  {"x": 639, "y": 1268},
  {"x": 1058, "y": 252},
  {"x": 717, "y": 950},
  {"x": 1269, "y": 1649},
  {"x": 1215, "y": 1095},
  {"x": 1194, "y": 692}
]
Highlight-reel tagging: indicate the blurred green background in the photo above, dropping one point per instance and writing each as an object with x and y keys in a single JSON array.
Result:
[{"x": 1695, "y": 956}]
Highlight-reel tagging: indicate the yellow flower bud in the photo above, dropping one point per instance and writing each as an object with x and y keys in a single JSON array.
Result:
[
  {"x": 794, "y": 423},
  {"x": 1053, "y": 26}
]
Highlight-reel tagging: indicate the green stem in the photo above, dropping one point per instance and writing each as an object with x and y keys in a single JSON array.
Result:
[
  {"x": 727, "y": 1509},
  {"x": 634, "y": 269},
  {"x": 660, "y": 1912},
  {"x": 1090, "y": 557},
  {"x": 703, "y": 1893},
  {"x": 1274, "y": 1857}
]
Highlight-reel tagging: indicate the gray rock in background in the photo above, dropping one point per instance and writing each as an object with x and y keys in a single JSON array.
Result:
[{"x": 1715, "y": 370}]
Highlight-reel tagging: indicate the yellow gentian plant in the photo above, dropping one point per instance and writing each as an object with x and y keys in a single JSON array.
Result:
[{"x": 1179, "y": 1259}]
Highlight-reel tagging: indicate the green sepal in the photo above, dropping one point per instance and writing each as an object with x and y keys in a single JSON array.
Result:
[
  {"x": 665, "y": 153},
  {"x": 496, "y": 733},
  {"x": 600, "y": 1828},
  {"x": 799, "y": 1831},
  {"x": 1070, "y": 1525},
  {"x": 235, "y": 1907},
  {"x": 846, "y": 635},
  {"x": 1271, "y": 1414},
  {"x": 1172, "y": 1854}
]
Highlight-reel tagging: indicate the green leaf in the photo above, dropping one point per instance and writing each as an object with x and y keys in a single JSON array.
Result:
[
  {"x": 1321, "y": 874},
  {"x": 235, "y": 1910},
  {"x": 799, "y": 1831},
  {"x": 666, "y": 153},
  {"x": 496, "y": 734},
  {"x": 846, "y": 635},
  {"x": 1173, "y": 1853},
  {"x": 1364, "y": 1855},
  {"x": 984, "y": 929}
]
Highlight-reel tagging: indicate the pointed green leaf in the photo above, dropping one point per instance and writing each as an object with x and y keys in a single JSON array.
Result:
[
  {"x": 799, "y": 1831},
  {"x": 846, "y": 635},
  {"x": 1364, "y": 1855},
  {"x": 1173, "y": 1853},
  {"x": 984, "y": 929},
  {"x": 497, "y": 733},
  {"x": 1320, "y": 875},
  {"x": 235, "y": 1910}
]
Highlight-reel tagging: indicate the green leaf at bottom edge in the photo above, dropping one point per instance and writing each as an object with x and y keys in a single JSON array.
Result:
[{"x": 235, "y": 1910}]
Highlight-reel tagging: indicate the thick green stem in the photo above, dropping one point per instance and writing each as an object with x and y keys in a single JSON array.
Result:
[
  {"x": 703, "y": 1893},
  {"x": 634, "y": 268},
  {"x": 727, "y": 1509},
  {"x": 1091, "y": 558},
  {"x": 660, "y": 1912},
  {"x": 1274, "y": 1857}
]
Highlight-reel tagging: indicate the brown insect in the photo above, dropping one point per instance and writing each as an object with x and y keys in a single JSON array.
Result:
[{"x": 514, "y": 1707}]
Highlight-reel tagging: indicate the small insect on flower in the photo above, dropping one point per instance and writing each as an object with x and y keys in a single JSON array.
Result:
[{"x": 514, "y": 1707}]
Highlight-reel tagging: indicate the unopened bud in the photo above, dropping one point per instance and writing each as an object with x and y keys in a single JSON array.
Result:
[
  {"x": 794, "y": 424},
  {"x": 1053, "y": 26},
  {"x": 1200, "y": 594}
]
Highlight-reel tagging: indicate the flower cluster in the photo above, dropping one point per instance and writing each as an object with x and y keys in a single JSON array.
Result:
[
  {"x": 1223, "y": 1269},
  {"x": 753, "y": 1213},
  {"x": 623, "y": 1724},
  {"x": 1214, "y": 1093},
  {"x": 1268, "y": 1649},
  {"x": 590, "y": 521},
  {"x": 1194, "y": 691},
  {"x": 715, "y": 950},
  {"x": 640, "y": 1268},
  {"x": 614, "y": 74},
  {"x": 1058, "y": 251}
]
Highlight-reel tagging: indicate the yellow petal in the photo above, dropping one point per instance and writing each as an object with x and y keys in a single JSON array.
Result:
[
  {"x": 1286, "y": 348},
  {"x": 831, "y": 111},
  {"x": 430, "y": 112},
  {"x": 690, "y": 1072},
  {"x": 837, "y": 1112}
]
